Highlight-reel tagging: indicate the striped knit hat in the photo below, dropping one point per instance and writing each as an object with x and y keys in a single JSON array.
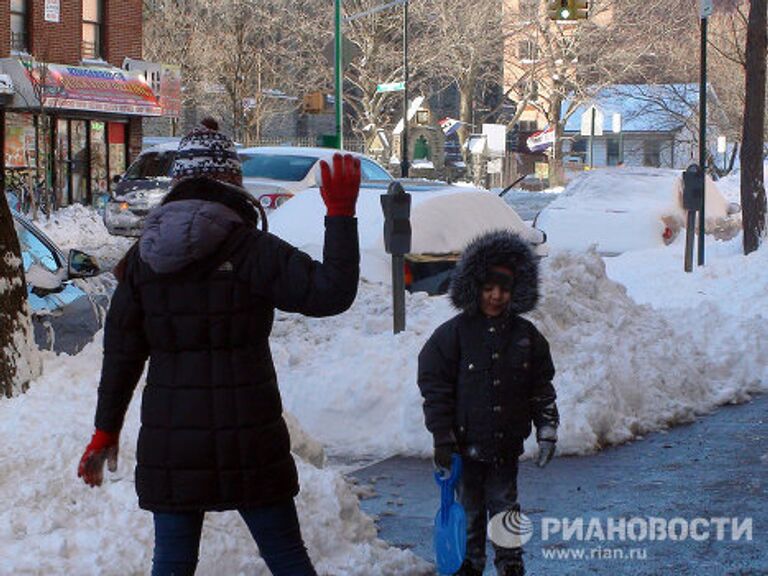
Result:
[{"x": 206, "y": 152}]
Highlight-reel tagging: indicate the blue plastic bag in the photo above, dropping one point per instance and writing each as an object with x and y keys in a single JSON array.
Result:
[{"x": 450, "y": 535}]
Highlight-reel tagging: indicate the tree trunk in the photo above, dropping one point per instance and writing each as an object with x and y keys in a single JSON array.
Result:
[
  {"x": 556, "y": 175},
  {"x": 752, "y": 183},
  {"x": 19, "y": 360}
]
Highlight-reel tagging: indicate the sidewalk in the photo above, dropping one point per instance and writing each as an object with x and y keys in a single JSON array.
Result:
[{"x": 715, "y": 467}]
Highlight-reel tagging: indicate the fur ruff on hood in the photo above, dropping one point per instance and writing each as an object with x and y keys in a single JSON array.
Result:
[{"x": 498, "y": 248}]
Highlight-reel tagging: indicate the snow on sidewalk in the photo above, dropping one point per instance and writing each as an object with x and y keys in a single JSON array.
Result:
[{"x": 52, "y": 523}]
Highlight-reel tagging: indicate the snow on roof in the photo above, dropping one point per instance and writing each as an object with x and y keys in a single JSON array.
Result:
[{"x": 643, "y": 107}]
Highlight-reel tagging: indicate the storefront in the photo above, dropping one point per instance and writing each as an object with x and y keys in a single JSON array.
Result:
[{"x": 73, "y": 126}]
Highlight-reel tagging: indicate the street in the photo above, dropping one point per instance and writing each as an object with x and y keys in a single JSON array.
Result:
[{"x": 716, "y": 467}]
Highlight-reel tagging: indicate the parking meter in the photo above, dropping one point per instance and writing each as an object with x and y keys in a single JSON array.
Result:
[
  {"x": 693, "y": 201},
  {"x": 693, "y": 188},
  {"x": 396, "y": 204}
]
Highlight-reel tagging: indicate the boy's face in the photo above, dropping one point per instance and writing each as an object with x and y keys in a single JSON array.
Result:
[{"x": 496, "y": 291}]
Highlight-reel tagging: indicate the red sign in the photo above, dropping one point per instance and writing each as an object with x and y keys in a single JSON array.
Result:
[{"x": 94, "y": 89}]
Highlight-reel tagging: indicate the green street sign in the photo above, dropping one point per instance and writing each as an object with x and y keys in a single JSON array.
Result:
[{"x": 391, "y": 87}]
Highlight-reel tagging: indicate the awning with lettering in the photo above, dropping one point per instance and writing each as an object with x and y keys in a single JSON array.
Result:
[{"x": 92, "y": 89}]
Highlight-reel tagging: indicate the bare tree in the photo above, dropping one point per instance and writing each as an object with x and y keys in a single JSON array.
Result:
[
  {"x": 752, "y": 153},
  {"x": 19, "y": 362}
]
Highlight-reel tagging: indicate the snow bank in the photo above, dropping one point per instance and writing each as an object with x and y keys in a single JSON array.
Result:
[
  {"x": 52, "y": 523},
  {"x": 623, "y": 369},
  {"x": 82, "y": 227}
]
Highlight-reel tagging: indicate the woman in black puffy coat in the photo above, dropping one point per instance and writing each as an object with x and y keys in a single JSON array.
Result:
[{"x": 196, "y": 296}]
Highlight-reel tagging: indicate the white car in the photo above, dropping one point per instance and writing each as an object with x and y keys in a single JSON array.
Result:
[
  {"x": 275, "y": 174},
  {"x": 623, "y": 209}
]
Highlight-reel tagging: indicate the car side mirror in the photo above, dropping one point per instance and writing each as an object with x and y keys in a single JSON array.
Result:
[
  {"x": 82, "y": 265},
  {"x": 42, "y": 280},
  {"x": 116, "y": 178},
  {"x": 734, "y": 208}
]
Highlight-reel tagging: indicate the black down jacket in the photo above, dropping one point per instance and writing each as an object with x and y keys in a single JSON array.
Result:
[
  {"x": 197, "y": 298},
  {"x": 485, "y": 380}
]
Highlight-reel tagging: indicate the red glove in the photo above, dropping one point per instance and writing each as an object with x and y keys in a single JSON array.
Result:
[
  {"x": 341, "y": 186},
  {"x": 103, "y": 447}
]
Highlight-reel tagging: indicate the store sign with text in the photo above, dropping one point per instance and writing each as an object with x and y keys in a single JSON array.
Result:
[{"x": 94, "y": 89}]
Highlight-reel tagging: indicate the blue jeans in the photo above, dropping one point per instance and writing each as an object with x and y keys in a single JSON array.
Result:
[{"x": 274, "y": 528}]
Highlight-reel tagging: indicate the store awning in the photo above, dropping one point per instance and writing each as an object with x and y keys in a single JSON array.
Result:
[{"x": 90, "y": 89}]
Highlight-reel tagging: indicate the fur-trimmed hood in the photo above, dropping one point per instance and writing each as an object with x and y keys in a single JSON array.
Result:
[{"x": 498, "y": 248}]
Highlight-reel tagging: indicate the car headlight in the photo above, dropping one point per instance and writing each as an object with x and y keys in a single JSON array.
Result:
[{"x": 265, "y": 201}]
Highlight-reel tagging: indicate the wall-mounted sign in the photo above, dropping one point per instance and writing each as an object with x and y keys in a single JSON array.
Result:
[{"x": 52, "y": 10}]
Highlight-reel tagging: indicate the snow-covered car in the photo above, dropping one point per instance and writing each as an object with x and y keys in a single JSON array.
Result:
[
  {"x": 67, "y": 307},
  {"x": 626, "y": 209},
  {"x": 443, "y": 221}
]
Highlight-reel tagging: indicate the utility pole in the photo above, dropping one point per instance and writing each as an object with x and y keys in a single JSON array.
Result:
[
  {"x": 706, "y": 10},
  {"x": 404, "y": 163},
  {"x": 338, "y": 77}
]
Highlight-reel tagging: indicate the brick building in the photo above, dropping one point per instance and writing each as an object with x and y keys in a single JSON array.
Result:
[{"x": 70, "y": 113}]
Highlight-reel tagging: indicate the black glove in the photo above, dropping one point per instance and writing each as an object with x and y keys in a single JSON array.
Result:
[
  {"x": 442, "y": 457},
  {"x": 546, "y": 452}
]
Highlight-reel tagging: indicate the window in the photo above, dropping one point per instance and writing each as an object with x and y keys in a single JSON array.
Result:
[
  {"x": 288, "y": 168},
  {"x": 529, "y": 10},
  {"x": 528, "y": 125},
  {"x": 613, "y": 151},
  {"x": 373, "y": 172},
  {"x": 93, "y": 26},
  {"x": 526, "y": 51},
  {"x": 652, "y": 153},
  {"x": 19, "y": 26}
]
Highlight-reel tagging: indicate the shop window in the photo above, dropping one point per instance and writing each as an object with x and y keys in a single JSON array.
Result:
[
  {"x": 61, "y": 167},
  {"x": 19, "y": 35},
  {"x": 78, "y": 161},
  {"x": 20, "y": 149},
  {"x": 93, "y": 29},
  {"x": 98, "y": 162}
]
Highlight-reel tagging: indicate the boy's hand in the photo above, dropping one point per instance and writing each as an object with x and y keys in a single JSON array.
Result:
[
  {"x": 103, "y": 447},
  {"x": 546, "y": 452},
  {"x": 442, "y": 457}
]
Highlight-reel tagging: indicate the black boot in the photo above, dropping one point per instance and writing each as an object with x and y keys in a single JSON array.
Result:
[{"x": 468, "y": 570}]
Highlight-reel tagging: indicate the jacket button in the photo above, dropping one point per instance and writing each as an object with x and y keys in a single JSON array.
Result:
[
  {"x": 525, "y": 364},
  {"x": 495, "y": 355},
  {"x": 499, "y": 435},
  {"x": 471, "y": 366},
  {"x": 497, "y": 408},
  {"x": 496, "y": 382},
  {"x": 491, "y": 329}
]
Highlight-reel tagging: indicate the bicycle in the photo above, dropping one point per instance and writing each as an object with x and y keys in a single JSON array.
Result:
[{"x": 30, "y": 193}]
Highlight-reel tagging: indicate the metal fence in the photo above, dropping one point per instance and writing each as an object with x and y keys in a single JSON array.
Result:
[{"x": 351, "y": 144}]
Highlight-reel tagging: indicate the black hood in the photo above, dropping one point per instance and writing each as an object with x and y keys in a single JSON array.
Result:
[{"x": 499, "y": 248}]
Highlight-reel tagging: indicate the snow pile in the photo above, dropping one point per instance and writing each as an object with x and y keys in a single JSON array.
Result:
[
  {"x": 52, "y": 523},
  {"x": 623, "y": 369},
  {"x": 81, "y": 227}
]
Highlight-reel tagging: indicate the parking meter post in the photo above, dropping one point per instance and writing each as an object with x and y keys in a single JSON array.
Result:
[
  {"x": 396, "y": 205},
  {"x": 689, "y": 236},
  {"x": 398, "y": 293}
]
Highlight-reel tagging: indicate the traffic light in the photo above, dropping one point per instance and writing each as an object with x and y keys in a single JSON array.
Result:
[{"x": 568, "y": 9}]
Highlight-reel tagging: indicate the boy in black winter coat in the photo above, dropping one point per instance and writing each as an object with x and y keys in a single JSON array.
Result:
[{"x": 486, "y": 375}]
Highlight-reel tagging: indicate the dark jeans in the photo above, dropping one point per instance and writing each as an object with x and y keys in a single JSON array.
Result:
[
  {"x": 274, "y": 528},
  {"x": 485, "y": 490}
]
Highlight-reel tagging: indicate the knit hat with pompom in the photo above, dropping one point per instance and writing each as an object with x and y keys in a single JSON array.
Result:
[{"x": 205, "y": 152}]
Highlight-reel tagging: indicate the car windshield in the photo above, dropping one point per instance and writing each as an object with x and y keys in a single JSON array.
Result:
[
  {"x": 151, "y": 165},
  {"x": 287, "y": 168}
]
